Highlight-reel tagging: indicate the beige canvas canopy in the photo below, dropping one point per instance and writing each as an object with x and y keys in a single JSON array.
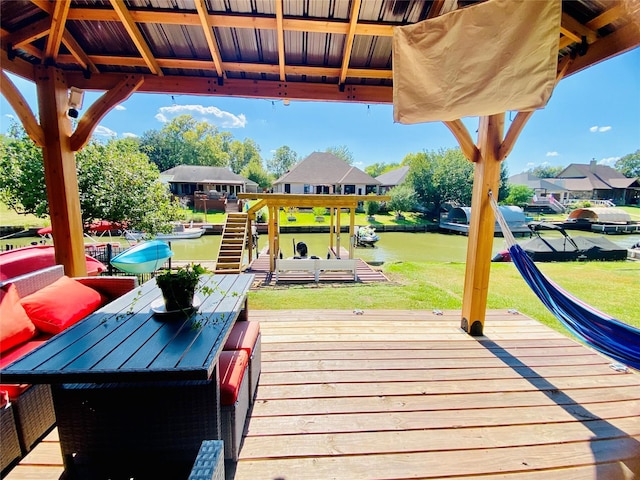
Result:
[
  {"x": 489, "y": 58},
  {"x": 602, "y": 215}
]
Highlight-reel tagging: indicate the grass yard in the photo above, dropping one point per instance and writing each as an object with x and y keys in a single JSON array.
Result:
[{"x": 609, "y": 286}]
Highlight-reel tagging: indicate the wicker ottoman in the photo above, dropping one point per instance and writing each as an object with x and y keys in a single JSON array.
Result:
[
  {"x": 234, "y": 400},
  {"x": 10, "y": 451},
  {"x": 209, "y": 464}
]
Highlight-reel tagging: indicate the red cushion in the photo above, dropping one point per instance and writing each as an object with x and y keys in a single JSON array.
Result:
[
  {"x": 233, "y": 365},
  {"x": 61, "y": 304},
  {"x": 15, "y": 325},
  {"x": 243, "y": 336}
]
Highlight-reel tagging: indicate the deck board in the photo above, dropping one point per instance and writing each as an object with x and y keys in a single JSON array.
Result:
[{"x": 405, "y": 394}]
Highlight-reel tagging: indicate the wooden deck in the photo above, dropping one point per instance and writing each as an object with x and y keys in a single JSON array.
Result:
[{"x": 406, "y": 394}]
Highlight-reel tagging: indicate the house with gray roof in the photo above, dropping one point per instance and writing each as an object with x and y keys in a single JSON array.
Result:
[
  {"x": 392, "y": 178},
  {"x": 324, "y": 173},
  {"x": 186, "y": 180},
  {"x": 584, "y": 182}
]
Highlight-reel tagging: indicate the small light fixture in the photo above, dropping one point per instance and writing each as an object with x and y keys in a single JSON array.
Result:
[
  {"x": 75, "y": 101},
  {"x": 286, "y": 102}
]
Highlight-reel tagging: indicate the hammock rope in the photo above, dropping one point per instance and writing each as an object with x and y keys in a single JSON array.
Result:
[{"x": 609, "y": 336}]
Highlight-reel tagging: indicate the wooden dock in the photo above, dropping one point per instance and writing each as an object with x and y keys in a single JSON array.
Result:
[{"x": 406, "y": 394}]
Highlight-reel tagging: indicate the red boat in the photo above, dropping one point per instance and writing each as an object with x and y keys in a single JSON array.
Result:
[{"x": 35, "y": 257}]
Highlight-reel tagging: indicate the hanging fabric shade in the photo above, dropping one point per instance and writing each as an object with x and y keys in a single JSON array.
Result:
[{"x": 489, "y": 58}]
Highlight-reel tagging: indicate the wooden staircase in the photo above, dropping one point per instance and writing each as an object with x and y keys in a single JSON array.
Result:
[{"x": 232, "y": 244}]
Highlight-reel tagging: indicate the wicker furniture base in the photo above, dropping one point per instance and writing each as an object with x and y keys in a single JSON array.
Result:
[
  {"x": 10, "y": 449},
  {"x": 209, "y": 464},
  {"x": 35, "y": 415},
  {"x": 116, "y": 425},
  {"x": 233, "y": 419}
]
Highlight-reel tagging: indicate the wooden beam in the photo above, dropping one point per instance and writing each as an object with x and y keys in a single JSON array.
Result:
[
  {"x": 58, "y": 21},
  {"x": 28, "y": 34},
  {"x": 136, "y": 36},
  {"x": 207, "y": 29},
  {"x": 101, "y": 107},
  {"x": 482, "y": 225},
  {"x": 280, "y": 40},
  {"x": 348, "y": 43},
  {"x": 60, "y": 171},
  {"x": 605, "y": 18},
  {"x": 17, "y": 66},
  {"x": 241, "y": 88},
  {"x": 22, "y": 109},
  {"x": 44, "y": 5},
  {"x": 78, "y": 53},
  {"x": 622, "y": 40},
  {"x": 572, "y": 28},
  {"x": 461, "y": 133},
  {"x": 513, "y": 133}
]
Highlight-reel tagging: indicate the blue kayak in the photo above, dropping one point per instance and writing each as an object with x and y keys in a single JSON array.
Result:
[{"x": 146, "y": 257}]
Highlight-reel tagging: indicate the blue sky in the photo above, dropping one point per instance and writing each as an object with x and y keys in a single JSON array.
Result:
[{"x": 594, "y": 114}]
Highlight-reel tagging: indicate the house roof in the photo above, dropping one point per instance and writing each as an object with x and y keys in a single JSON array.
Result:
[
  {"x": 204, "y": 174},
  {"x": 336, "y": 50},
  {"x": 322, "y": 168},
  {"x": 591, "y": 176},
  {"x": 536, "y": 183},
  {"x": 393, "y": 177}
]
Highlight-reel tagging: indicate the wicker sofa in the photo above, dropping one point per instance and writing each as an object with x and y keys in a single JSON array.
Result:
[{"x": 32, "y": 405}]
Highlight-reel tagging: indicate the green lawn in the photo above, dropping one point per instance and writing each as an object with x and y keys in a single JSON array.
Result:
[
  {"x": 9, "y": 217},
  {"x": 609, "y": 286}
]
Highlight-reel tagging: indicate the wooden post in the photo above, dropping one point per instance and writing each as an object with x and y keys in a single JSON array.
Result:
[
  {"x": 338, "y": 232},
  {"x": 273, "y": 211},
  {"x": 332, "y": 222},
  {"x": 60, "y": 171},
  {"x": 352, "y": 230},
  {"x": 482, "y": 225}
]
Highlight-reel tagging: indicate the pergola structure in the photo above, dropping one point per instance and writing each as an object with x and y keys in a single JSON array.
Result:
[
  {"x": 322, "y": 50},
  {"x": 335, "y": 203}
]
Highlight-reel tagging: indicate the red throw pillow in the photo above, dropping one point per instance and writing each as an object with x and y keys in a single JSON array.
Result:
[
  {"x": 15, "y": 325},
  {"x": 61, "y": 304}
]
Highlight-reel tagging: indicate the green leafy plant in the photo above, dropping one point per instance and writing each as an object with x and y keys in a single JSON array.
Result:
[{"x": 179, "y": 286}]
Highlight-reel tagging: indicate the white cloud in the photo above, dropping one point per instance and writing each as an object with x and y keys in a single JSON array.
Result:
[
  {"x": 359, "y": 165},
  {"x": 8, "y": 115},
  {"x": 101, "y": 131},
  {"x": 129, "y": 135},
  {"x": 604, "y": 129},
  {"x": 609, "y": 161},
  {"x": 596, "y": 128},
  {"x": 213, "y": 115},
  {"x": 552, "y": 154},
  {"x": 530, "y": 165},
  {"x": 120, "y": 107}
]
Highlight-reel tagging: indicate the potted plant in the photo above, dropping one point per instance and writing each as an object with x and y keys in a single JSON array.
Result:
[{"x": 179, "y": 287}]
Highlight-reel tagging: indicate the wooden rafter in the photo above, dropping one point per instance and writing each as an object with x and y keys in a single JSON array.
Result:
[
  {"x": 207, "y": 28},
  {"x": 28, "y": 34},
  {"x": 572, "y": 28},
  {"x": 101, "y": 107},
  {"x": 348, "y": 43},
  {"x": 16, "y": 65},
  {"x": 78, "y": 53},
  {"x": 280, "y": 37},
  {"x": 136, "y": 36},
  {"x": 605, "y": 18},
  {"x": 44, "y": 5},
  {"x": 58, "y": 21},
  {"x": 22, "y": 109}
]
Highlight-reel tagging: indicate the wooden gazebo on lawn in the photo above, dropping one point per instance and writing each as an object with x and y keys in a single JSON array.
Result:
[
  {"x": 334, "y": 203},
  {"x": 297, "y": 50}
]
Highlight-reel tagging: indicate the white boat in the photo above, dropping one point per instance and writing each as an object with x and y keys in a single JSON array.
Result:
[{"x": 180, "y": 232}]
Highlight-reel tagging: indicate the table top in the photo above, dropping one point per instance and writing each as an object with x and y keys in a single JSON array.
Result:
[{"x": 125, "y": 341}]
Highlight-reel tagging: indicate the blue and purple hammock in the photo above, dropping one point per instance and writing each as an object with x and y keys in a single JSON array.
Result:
[{"x": 609, "y": 336}]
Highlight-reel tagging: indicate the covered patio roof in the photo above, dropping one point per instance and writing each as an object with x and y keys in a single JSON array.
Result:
[{"x": 322, "y": 50}]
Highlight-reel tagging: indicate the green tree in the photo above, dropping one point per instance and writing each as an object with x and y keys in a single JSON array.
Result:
[
  {"x": 629, "y": 165},
  {"x": 283, "y": 159},
  {"x": 371, "y": 207},
  {"x": 377, "y": 169},
  {"x": 255, "y": 171},
  {"x": 518, "y": 195},
  {"x": 545, "y": 171},
  {"x": 341, "y": 151},
  {"x": 403, "y": 198},
  {"x": 242, "y": 154},
  {"x": 116, "y": 182}
]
